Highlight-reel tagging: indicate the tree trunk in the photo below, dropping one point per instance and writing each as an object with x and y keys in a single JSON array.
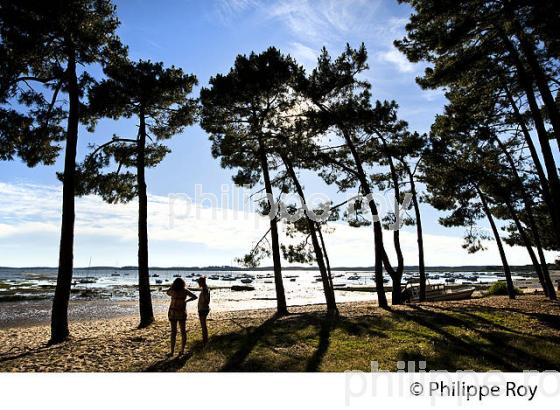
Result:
[
  {"x": 507, "y": 270},
  {"x": 545, "y": 271},
  {"x": 327, "y": 289},
  {"x": 396, "y": 274},
  {"x": 377, "y": 229},
  {"x": 59, "y": 314},
  {"x": 419, "y": 236},
  {"x": 327, "y": 261},
  {"x": 146, "y": 310},
  {"x": 538, "y": 73},
  {"x": 548, "y": 157},
  {"x": 546, "y": 191},
  {"x": 528, "y": 246},
  {"x": 546, "y": 281},
  {"x": 281, "y": 307}
]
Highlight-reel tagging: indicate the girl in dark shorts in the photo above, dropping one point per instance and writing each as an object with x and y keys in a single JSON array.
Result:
[
  {"x": 178, "y": 312},
  {"x": 203, "y": 307}
]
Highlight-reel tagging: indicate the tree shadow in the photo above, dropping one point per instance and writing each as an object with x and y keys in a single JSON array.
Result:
[
  {"x": 249, "y": 343},
  {"x": 171, "y": 364},
  {"x": 314, "y": 362},
  {"x": 496, "y": 349}
]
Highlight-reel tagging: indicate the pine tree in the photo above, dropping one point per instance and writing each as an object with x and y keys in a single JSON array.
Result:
[
  {"x": 46, "y": 42},
  {"x": 238, "y": 110},
  {"x": 158, "y": 98}
]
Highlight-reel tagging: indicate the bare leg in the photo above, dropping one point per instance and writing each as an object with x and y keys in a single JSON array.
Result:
[
  {"x": 204, "y": 329},
  {"x": 182, "y": 323},
  {"x": 173, "y": 335}
]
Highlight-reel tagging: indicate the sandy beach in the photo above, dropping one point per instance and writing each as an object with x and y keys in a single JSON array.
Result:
[{"x": 528, "y": 327}]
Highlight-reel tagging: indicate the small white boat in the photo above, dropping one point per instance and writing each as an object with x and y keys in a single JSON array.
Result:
[{"x": 436, "y": 292}]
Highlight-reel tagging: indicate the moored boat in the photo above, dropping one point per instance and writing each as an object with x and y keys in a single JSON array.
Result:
[{"x": 436, "y": 292}]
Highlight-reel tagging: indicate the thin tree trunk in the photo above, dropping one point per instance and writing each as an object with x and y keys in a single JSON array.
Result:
[
  {"x": 528, "y": 246},
  {"x": 59, "y": 314},
  {"x": 146, "y": 310},
  {"x": 419, "y": 236},
  {"x": 507, "y": 270},
  {"x": 548, "y": 157},
  {"x": 546, "y": 191},
  {"x": 327, "y": 261},
  {"x": 537, "y": 71},
  {"x": 544, "y": 266},
  {"x": 327, "y": 289},
  {"x": 547, "y": 282},
  {"x": 396, "y": 274},
  {"x": 281, "y": 306},
  {"x": 377, "y": 229}
]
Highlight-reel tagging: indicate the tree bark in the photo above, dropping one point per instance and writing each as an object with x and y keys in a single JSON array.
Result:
[
  {"x": 528, "y": 246},
  {"x": 419, "y": 236},
  {"x": 396, "y": 274},
  {"x": 145, "y": 297},
  {"x": 377, "y": 229},
  {"x": 327, "y": 289},
  {"x": 542, "y": 134},
  {"x": 327, "y": 261},
  {"x": 59, "y": 314},
  {"x": 538, "y": 73},
  {"x": 545, "y": 280},
  {"x": 281, "y": 307},
  {"x": 507, "y": 270},
  {"x": 545, "y": 186}
]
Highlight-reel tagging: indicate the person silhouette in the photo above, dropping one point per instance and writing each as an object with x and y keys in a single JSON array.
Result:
[
  {"x": 203, "y": 307},
  {"x": 178, "y": 312}
]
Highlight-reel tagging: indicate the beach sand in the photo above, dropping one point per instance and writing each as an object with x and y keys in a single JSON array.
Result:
[{"x": 115, "y": 345}]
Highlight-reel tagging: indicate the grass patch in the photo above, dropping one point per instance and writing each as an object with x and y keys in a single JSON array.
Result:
[{"x": 479, "y": 339}]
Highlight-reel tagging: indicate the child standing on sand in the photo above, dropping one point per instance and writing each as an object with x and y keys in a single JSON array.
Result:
[
  {"x": 178, "y": 312},
  {"x": 203, "y": 307}
]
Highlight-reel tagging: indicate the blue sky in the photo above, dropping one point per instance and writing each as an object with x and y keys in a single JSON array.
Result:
[{"x": 203, "y": 37}]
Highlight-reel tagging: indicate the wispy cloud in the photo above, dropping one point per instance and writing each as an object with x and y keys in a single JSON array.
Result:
[
  {"x": 303, "y": 54},
  {"x": 318, "y": 22}
]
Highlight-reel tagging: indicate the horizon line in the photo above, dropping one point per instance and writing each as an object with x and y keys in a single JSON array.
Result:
[{"x": 295, "y": 267}]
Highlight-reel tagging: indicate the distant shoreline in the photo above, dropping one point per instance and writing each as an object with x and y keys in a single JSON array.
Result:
[{"x": 483, "y": 268}]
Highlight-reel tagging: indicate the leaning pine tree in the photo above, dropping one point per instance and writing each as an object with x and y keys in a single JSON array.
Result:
[
  {"x": 158, "y": 98},
  {"x": 238, "y": 110}
]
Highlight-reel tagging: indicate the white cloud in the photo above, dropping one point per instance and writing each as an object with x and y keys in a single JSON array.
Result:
[
  {"x": 395, "y": 57},
  {"x": 30, "y": 218}
]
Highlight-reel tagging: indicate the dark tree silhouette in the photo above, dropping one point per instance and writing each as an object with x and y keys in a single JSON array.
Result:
[
  {"x": 47, "y": 41},
  {"x": 158, "y": 98},
  {"x": 339, "y": 104},
  {"x": 238, "y": 109},
  {"x": 509, "y": 44}
]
